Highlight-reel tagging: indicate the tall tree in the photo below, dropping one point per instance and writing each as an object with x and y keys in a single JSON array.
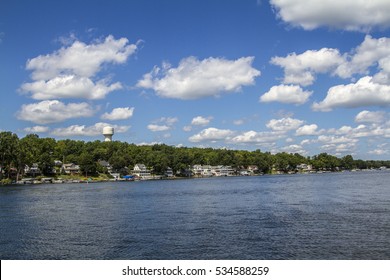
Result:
[
  {"x": 9, "y": 143},
  {"x": 87, "y": 164}
]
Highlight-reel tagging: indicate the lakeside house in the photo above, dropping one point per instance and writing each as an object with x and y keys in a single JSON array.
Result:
[
  {"x": 33, "y": 170},
  {"x": 169, "y": 172},
  {"x": 208, "y": 170},
  {"x": 70, "y": 168},
  {"x": 141, "y": 171},
  {"x": 106, "y": 165},
  {"x": 303, "y": 167}
]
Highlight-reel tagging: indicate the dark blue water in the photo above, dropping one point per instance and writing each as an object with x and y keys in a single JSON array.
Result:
[{"x": 319, "y": 216}]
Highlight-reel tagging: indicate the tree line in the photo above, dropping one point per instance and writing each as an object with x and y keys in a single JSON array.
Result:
[{"x": 16, "y": 153}]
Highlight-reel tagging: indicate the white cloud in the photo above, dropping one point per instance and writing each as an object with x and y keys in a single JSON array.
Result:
[
  {"x": 202, "y": 121},
  {"x": 284, "y": 124},
  {"x": 292, "y": 94},
  {"x": 339, "y": 148},
  {"x": 378, "y": 152},
  {"x": 52, "y": 111},
  {"x": 292, "y": 149},
  {"x": 69, "y": 86},
  {"x": 254, "y": 137},
  {"x": 301, "y": 69},
  {"x": 307, "y": 130},
  {"x": 162, "y": 124},
  {"x": 306, "y": 142},
  {"x": 157, "y": 128},
  {"x": 198, "y": 121},
  {"x": 370, "y": 52},
  {"x": 149, "y": 143},
  {"x": 351, "y": 15},
  {"x": 69, "y": 72},
  {"x": 364, "y": 92},
  {"x": 338, "y": 144},
  {"x": 360, "y": 131},
  {"x": 82, "y": 130},
  {"x": 168, "y": 120},
  {"x": 194, "y": 79},
  {"x": 81, "y": 59},
  {"x": 37, "y": 129},
  {"x": 370, "y": 117},
  {"x": 331, "y": 139},
  {"x": 211, "y": 134},
  {"x": 119, "y": 114}
]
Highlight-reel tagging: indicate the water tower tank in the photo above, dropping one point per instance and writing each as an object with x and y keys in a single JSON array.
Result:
[{"x": 108, "y": 131}]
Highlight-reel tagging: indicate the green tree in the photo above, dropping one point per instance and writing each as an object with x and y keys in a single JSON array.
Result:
[
  {"x": 87, "y": 164},
  {"x": 348, "y": 162},
  {"x": 9, "y": 143}
]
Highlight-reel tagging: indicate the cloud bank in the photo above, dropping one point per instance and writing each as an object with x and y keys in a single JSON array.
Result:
[
  {"x": 351, "y": 15},
  {"x": 194, "y": 79},
  {"x": 70, "y": 71}
]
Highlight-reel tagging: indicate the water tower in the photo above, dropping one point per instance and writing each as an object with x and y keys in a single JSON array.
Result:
[{"x": 108, "y": 131}]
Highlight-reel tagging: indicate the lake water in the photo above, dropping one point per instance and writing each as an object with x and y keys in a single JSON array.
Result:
[{"x": 318, "y": 216}]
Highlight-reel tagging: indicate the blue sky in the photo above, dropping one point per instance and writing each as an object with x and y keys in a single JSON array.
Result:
[{"x": 279, "y": 75}]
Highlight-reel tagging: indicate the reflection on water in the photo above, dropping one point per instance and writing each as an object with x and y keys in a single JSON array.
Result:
[{"x": 321, "y": 216}]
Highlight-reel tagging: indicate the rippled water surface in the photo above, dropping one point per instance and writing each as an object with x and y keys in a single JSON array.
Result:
[{"x": 319, "y": 216}]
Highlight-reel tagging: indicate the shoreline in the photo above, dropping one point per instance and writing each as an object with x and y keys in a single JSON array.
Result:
[{"x": 90, "y": 180}]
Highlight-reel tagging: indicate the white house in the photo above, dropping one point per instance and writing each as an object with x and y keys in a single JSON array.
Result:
[
  {"x": 303, "y": 167},
  {"x": 169, "y": 172},
  {"x": 141, "y": 171},
  {"x": 222, "y": 170},
  {"x": 208, "y": 170},
  {"x": 70, "y": 168}
]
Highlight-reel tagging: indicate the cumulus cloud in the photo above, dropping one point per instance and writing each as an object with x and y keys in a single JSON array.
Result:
[
  {"x": 168, "y": 120},
  {"x": 162, "y": 124},
  {"x": 70, "y": 71},
  {"x": 69, "y": 86},
  {"x": 82, "y": 130},
  {"x": 365, "y": 92},
  {"x": 307, "y": 130},
  {"x": 291, "y": 149},
  {"x": 332, "y": 139},
  {"x": 370, "y": 117},
  {"x": 351, "y": 15},
  {"x": 198, "y": 121},
  {"x": 284, "y": 124},
  {"x": 338, "y": 149},
  {"x": 338, "y": 144},
  {"x": 156, "y": 127},
  {"x": 194, "y": 79},
  {"x": 211, "y": 134},
  {"x": 360, "y": 131},
  {"x": 291, "y": 94},
  {"x": 254, "y": 137},
  {"x": 370, "y": 52},
  {"x": 81, "y": 59},
  {"x": 37, "y": 129},
  {"x": 119, "y": 114},
  {"x": 301, "y": 69},
  {"x": 202, "y": 121},
  {"x": 52, "y": 111},
  {"x": 378, "y": 152}
]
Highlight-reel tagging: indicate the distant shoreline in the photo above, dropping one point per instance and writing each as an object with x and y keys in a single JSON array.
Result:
[{"x": 76, "y": 180}]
